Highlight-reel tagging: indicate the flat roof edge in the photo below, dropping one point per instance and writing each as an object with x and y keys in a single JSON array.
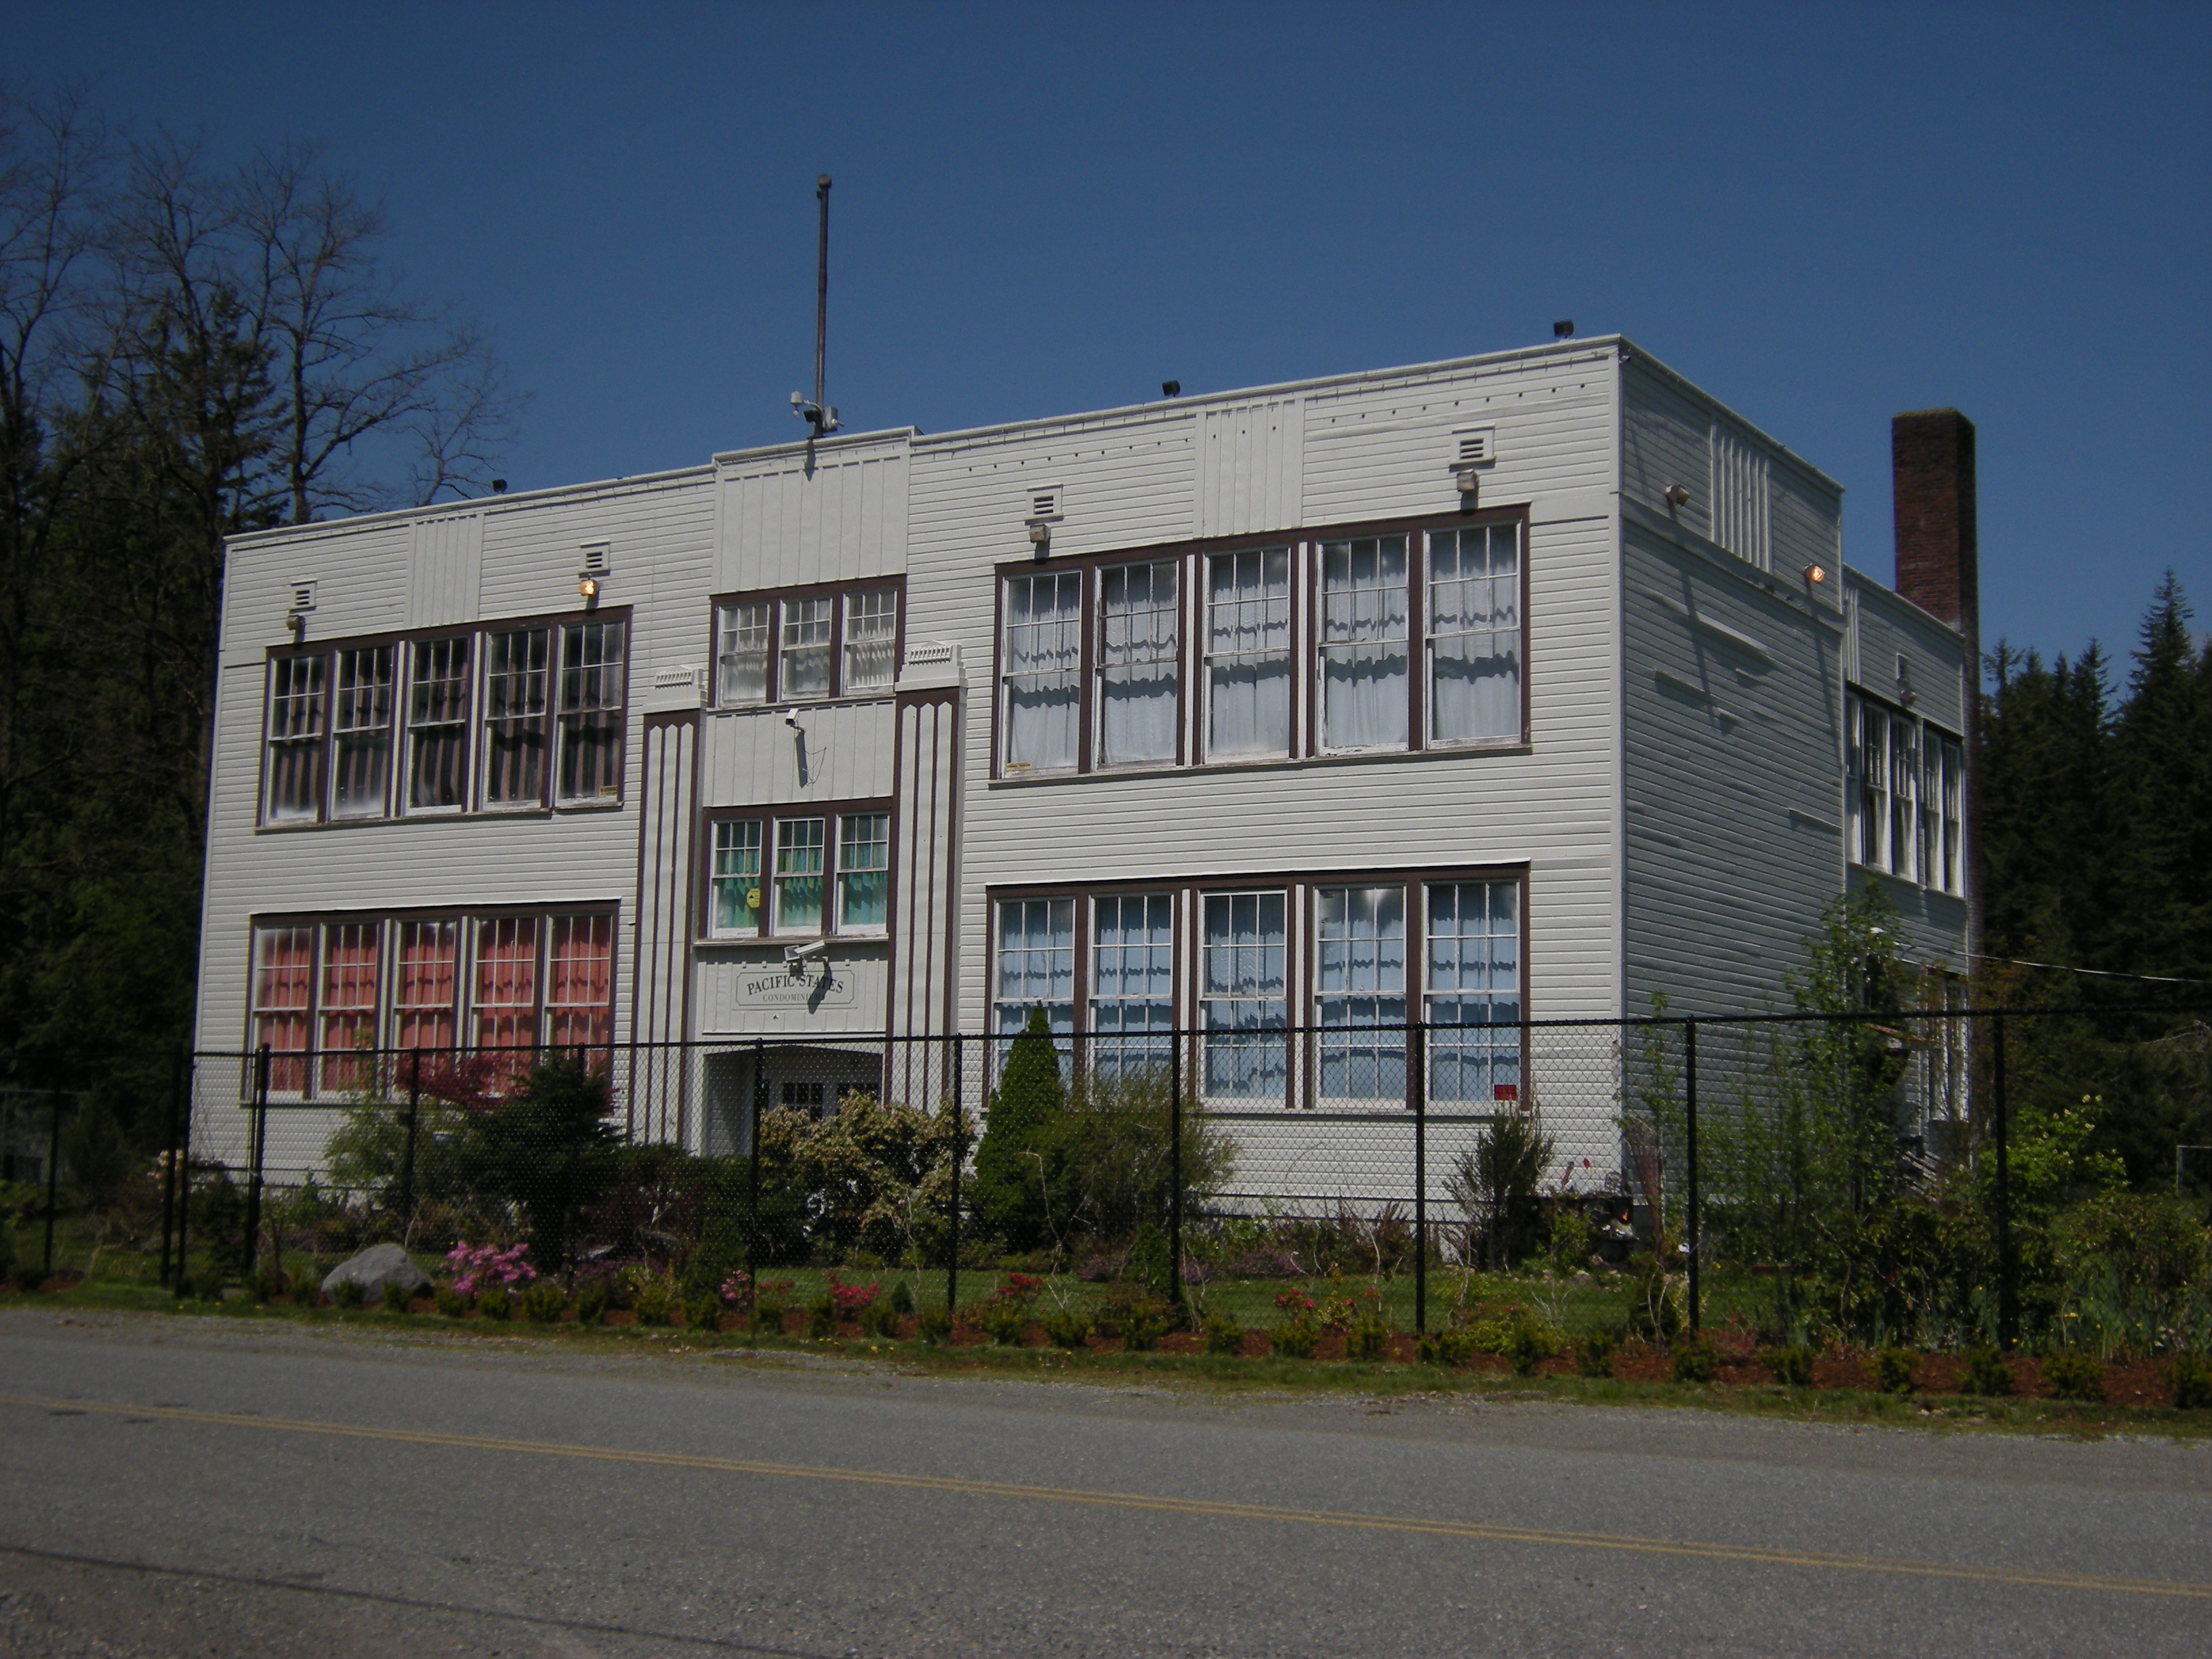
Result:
[{"x": 500, "y": 502}]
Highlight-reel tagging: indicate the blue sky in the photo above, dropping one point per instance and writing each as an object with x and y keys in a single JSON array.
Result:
[{"x": 1823, "y": 215}]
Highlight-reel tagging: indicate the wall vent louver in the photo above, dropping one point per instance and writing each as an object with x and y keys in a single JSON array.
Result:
[
  {"x": 1475, "y": 447},
  {"x": 591, "y": 559},
  {"x": 1044, "y": 504},
  {"x": 303, "y": 597}
]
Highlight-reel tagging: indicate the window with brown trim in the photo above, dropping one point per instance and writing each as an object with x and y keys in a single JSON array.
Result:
[
  {"x": 324, "y": 990},
  {"x": 1295, "y": 991},
  {"x": 1414, "y": 639},
  {"x": 807, "y": 644},
  {"x": 523, "y": 714},
  {"x": 799, "y": 872}
]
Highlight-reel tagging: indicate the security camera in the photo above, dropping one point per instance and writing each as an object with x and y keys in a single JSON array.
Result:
[
  {"x": 802, "y": 952},
  {"x": 791, "y": 718}
]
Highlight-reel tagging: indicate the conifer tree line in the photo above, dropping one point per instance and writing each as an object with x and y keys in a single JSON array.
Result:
[
  {"x": 2096, "y": 812},
  {"x": 192, "y": 345}
]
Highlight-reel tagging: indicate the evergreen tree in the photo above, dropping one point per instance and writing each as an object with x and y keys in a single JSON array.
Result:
[
  {"x": 1011, "y": 1196},
  {"x": 2161, "y": 767}
]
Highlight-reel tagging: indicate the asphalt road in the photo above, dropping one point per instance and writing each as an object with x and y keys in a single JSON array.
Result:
[{"x": 189, "y": 1486}]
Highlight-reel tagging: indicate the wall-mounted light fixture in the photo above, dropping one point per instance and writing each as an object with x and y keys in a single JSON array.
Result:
[
  {"x": 1675, "y": 495},
  {"x": 1040, "y": 538},
  {"x": 588, "y": 587},
  {"x": 1469, "y": 483},
  {"x": 1816, "y": 575}
]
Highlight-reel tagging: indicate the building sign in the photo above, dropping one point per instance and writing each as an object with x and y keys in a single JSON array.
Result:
[{"x": 806, "y": 985}]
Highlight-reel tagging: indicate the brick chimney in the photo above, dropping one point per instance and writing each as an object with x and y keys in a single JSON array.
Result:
[
  {"x": 1931, "y": 454},
  {"x": 1931, "y": 458}
]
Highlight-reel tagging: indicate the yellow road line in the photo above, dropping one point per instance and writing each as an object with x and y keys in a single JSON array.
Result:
[{"x": 1193, "y": 1506}]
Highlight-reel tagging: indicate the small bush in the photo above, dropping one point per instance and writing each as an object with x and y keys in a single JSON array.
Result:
[
  {"x": 1140, "y": 1320},
  {"x": 2191, "y": 1379},
  {"x": 267, "y": 1283},
  {"x": 936, "y": 1324},
  {"x": 1593, "y": 1354},
  {"x": 1066, "y": 1327},
  {"x": 592, "y": 1304},
  {"x": 1792, "y": 1366},
  {"x": 878, "y": 1318},
  {"x": 768, "y": 1317},
  {"x": 704, "y": 1313},
  {"x": 348, "y": 1294},
  {"x": 1453, "y": 1347},
  {"x": 543, "y": 1302},
  {"x": 495, "y": 1301},
  {"x": 1696, "y": 1360},
  {"x": 2074, "y": 1376},
  {"x": 450, "y": 1301},
  {"x": 902, "y": 1298},
  {"x": 1985, "y": 1373},
  {"x": 207, "y": 1283},
  {"x": 1299, "y": 1332},
  {"x": 1223, "y": 1334},
  {"x": 655, "y": 1303},
  {"x": 1892, "y": 1370},
  {"x": 822, "y": 1319},
  {"x": 1530, "y": 1341},
  {"x": 1004, "y": 1322},
  {"x": 1368, "y": 1337},
  {"x": 395, "y": 1297}
]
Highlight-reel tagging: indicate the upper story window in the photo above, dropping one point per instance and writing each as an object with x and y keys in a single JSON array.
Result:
[
  {"x": 447, "y": 722},
  {"x": 805, "y": 872},
  {"x": 1905, "y": 794},
  {"x": 1409, "y": 637},
  {"x": 806, "y": 644}
]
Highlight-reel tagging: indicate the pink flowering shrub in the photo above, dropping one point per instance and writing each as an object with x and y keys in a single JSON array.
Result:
[
  {"x": 737, "y": 1292},
  {"x": 476, "y": 1266},
  {"x": 849, "y": 1299}
]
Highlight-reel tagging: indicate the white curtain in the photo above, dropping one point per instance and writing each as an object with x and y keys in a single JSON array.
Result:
[
  {"x": 1364, "y": 687},
  {"x": 1474, "y": 632},
  {"x": 1138, "y": 657},
  {"x": 1043, "y": 662},
  {"x": 1248, "y": 653}
]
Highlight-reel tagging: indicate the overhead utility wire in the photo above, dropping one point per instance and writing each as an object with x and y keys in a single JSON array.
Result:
[{"x": 2101, "y": 973}]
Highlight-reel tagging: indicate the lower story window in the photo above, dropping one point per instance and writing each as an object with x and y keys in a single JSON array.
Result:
[
  {"x": 283, "y": 1003},
  {"x": 351, "y": 953},
  {"x": 579, "y": 982},
  {"x": 864, "y": 869},
  {"x": 427, "y": 990},
  {"x": 1036, "y": 964},
  {"x": 1243, "y": 978},
  {"x": 1359, "y": 950},
  {"x": 1473, "y": 990},
  {"x": 1132, "y": 981}
]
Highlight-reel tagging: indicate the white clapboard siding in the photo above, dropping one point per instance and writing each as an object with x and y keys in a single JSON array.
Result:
[
  {"x": 1890, "y": 626},
  {"x": 359, "y": 572},
  {"x": 780, "y": 523},
  {"x": 1251, "y": 459},
  {"x": 840, "y": 752},
  {"x": 1733, "y": 805},
  {"x": 532, "y": 549},
  {"x": 445, "y": 570}
]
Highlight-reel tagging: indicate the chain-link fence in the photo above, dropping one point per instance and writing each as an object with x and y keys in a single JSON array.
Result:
[{"x": 1863, "y": 1173}]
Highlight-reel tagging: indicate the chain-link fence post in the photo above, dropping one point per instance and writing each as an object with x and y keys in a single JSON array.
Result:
[
  {"x": 407, "y": 1159},
  {"x": 1175, "y": 1168},
  {"x": 1690, "y": 1154},
  {"x": 959, "y": 1156},
  {"x": 184, "y": 1173},
  {"x": 53, "y": 1173},
  {"x": 169, "y": 1173},
  {"x": 2008, "y": 1310},
  {"x": 253, "y": 1252},
  {"x": 752, "y": 1164},
  {"x": 1418, "y": 1097}
]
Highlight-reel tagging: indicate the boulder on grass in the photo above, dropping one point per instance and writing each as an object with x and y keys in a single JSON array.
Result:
[{"x": 373, "y": 1268}]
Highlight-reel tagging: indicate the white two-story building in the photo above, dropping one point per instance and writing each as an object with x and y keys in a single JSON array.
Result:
[{"x": 1516, "y": 687}]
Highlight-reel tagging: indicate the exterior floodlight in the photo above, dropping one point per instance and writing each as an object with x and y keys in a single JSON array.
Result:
[
  {"x": 1041, "y": 537},
  {"x": 1170, "y": 388},
  {"x": 1470, "y": 484},
  {"x": 1675, "y": 495},
  {"x": 1563, "y": 328},
  {"x": 588, "y": 587},
  {"x": 1816, "y": 575}
]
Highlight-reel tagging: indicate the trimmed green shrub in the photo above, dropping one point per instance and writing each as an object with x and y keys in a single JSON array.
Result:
[
  {"x": 879, "y": 1318},
  {"x": 543, "y": 1302},
  {"x": 2074, "y": 1376},
  {"x": 1004, "y": 1322},
  {"x": 1985, "y": 1372},
  {"x": 1066, "y": 1327},
  {"x": 1453, "y": 1347},
  {"x": 935, "y": 1326},
  {"x": 1696, "y": 1360},
  {"x": 768, "y": 1317},
  {"x": 654, "y": 1304},
  {"x": 1593, "y": 1354},
  {"x": 704, "y": 1313},
  {"x": 1368, "y": 1336},
  {"x": 2191, "y": 1379},
  {"x": 1792, "y": 1366},
  {"x": 822, "y": 1318},
  {"x": 495, "y": 1301},
  {"x": 348, "y": 1294},
  {"x": 902, "y": 1298},
  {"x": 1892, "y": 1370},
  {"x": 1530, "y": 1341},
  {"x": 592, "y": 1304},
  {"x": 395, "y": 1297},
  {"x": 1223, "y": 1335},
  {"x": 450, "y": 1301}
]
